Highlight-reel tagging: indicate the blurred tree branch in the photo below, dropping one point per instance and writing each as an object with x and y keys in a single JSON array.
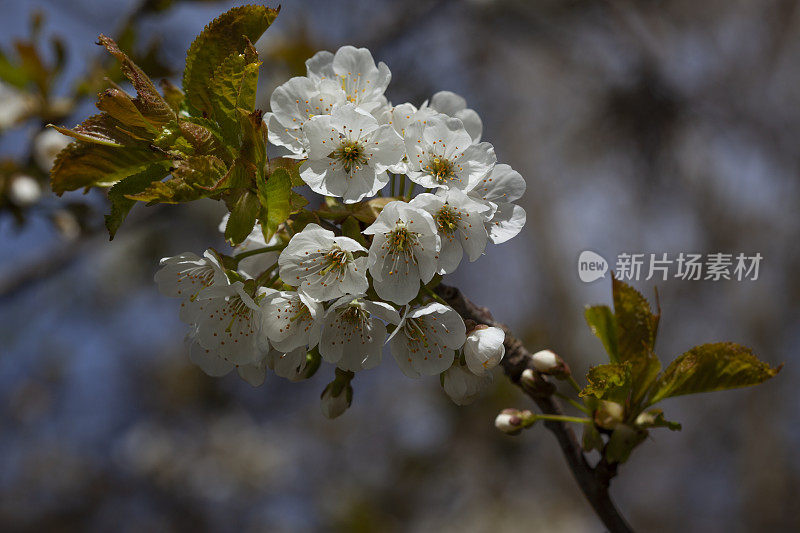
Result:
[{"x": 594, "y": 481}]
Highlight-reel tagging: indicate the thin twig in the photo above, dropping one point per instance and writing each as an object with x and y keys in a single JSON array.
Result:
[{"x": 593, "y": 482}]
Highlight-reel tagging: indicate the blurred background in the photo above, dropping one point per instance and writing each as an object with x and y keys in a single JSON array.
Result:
[{"x": 641, "y": 126}]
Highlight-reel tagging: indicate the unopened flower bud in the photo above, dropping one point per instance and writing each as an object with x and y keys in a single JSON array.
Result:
[
  {"x": 512, "y": 421},
  {"x": 483, "y": 349},
  {"x": 548, "y": 362},
  {"x": 528, "y": 378},
  {"x": 338, "y": 395},
  {"x": 609, "y": 414},
  {"x": 24, "y": 190}
]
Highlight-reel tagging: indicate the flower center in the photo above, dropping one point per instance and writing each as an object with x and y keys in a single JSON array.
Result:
[
  {"x": 350, "y": 154},
  {"x": 440, "y": 168},
  {"x": 354, "y": 315},
  {"x": 447, "y": 219},
  {"x": 401, "y": 239}
]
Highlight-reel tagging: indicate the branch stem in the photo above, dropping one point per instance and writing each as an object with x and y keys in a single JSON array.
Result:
[
  {"x": 593, "y": 481},
  {"x": 563, "y": 418},
  {"x": 273, "y": 248},
  {"x": 574, "y": 403}
]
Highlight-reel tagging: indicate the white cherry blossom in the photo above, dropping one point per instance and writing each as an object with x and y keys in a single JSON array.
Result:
[
  {"x": 353, "y": 332},
  {"x": 24, "y": 190},
  {"x": 321, "y": 265},
  {"x": 455, "y": 106},
  {"x": 400, "y": 117},
  {"x": 403, "y": 115},
  {"x": 483, "y": 349},
  {"x": 426, "y": 341},
  {"x": 46, "y": 146},
  {"x": 462, "y": 386},
  {"x": 290, "y": 319},
  {"x": 14, "y": 105},
  {"x": 228, "y": 322},
  {"x": 404, "y": 251},
  {"x": 441, "y": 154},
  {"x": 186, "y": 275},
  {"x": 212, "y": 364},
  {"x": 349, "y": 153},
  {"x": 460, "y": 223},
  {"x": 354, "y": 71},
  {"x": 292, "y": 104},
  {"x": 499, "y": 189}
]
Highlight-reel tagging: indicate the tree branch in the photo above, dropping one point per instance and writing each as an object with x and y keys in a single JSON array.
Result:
[{"x": 593, "y": 481}]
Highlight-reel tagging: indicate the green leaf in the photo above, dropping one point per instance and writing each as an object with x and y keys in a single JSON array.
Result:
[
  {"x": 12, "y": 74},
  {"x": 622, "y": 442},
  {"x": 711, "y": 367},
  {"x": 191, "y": 179},
  {"x": 82, "y": 165},
  {"x": 225, "y": 35},
  {"x": 603, "y": 324},
  {"x": 119, "y": 105},
  {"x": 173, "y": 95},
  {"x": 243, "y": 218},
  {"x": 254, "y": 139},
  {"x": 369, "y": 210},
  {"x": 637, "y": 327},
  {"x": 204, "y": 141},
  {"x": 591, "y": 438},
  {"x": 232, "y": 87},
  {"x": 351, "y": 228},
  {"x": 291, "y": 165},
  {"x": 149, "y": 101},
  {"x": 120, "y": 205},
  {"x": 636, "y": 324},
  {"x": 99, "y": 129},
  {"x": 297, "y": 202},
  {"x": 274, "y": 194},
  {"x": 610, "y": 382},
  {"x": 302, "y": 219}
]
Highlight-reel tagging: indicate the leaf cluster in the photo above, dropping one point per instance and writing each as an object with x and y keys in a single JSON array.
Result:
[
  {"x": 176, "y": 145},
  {"x": 621, "y": 393}
]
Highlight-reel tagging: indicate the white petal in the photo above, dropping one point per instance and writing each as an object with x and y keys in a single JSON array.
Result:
[
  {"x": 402, "y": 355},
  {"x": 349, "y": 119},
  {"x": 394, "y": 279},
  {"x": 450, "y": 254},
  {"x": 208, "y": 361},
  {"x": 508, "y": 221},
  {"x": 428, "y": 256},
  {"x": 472, "y": 123},
  {"x": 503, "y": 184},
  {"x": 477, "y": 161},
  {"x": 320, "y": 66},
  {"x": 321, "y": 135},
  {"x": 382, "y": 310},
  {"x": 462, "y": 386},
  {"x": 290, "y": 365},
  {"x": 384, "y": 148},
  {"x": 448, "y": 103},
  {"x": 254, "y": 373}
]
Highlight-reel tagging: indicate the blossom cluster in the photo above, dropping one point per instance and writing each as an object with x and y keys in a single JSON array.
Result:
[{"x": 314, "y": 293}]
